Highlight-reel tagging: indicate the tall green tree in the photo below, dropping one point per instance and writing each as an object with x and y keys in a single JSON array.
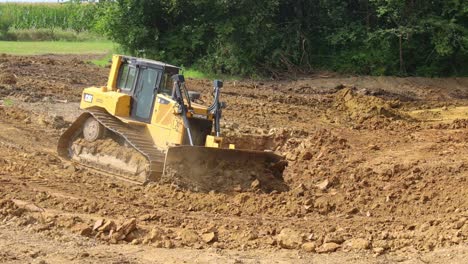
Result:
[{"x": 406, "y": 37}]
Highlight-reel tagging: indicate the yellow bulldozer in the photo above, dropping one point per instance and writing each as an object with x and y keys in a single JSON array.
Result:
[{"x": 145, "y": 126}]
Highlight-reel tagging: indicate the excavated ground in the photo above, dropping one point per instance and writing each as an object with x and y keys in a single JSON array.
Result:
[{"x": 377, "y": 173}]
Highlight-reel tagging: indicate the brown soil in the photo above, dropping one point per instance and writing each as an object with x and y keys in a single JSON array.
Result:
[
  {"x": 377, "y": 172},
  {"x": 226, "y": 171},
  {"x": 109, "y": 146}
]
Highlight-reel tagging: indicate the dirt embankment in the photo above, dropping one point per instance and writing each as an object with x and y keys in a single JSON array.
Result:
[{"x": 377, "y": 166}]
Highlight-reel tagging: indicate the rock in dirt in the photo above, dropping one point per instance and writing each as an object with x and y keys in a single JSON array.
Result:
[
  {"x": 459, "y": 224},
  {"x": 31, "y": 207},
  {"x": 289, "y": 238},
  {"x": 309, "y": 246},
  {"x": 107, "y": 226},
  {"x": 209, "y": 237},
  {"x": 188, "y": 236},
  {"x": 98, "y": 224},
  {"x": 328, "y": 248},
  {"x": 168, "y": 244},
  {"x": 255, "y": 184},
  {"x": 149, "y": 217},
  {"x": 125, "y": 229},
  {"x": 378, "y": 250},
  {"x": 323, "y": 185},
  {"x": 153, "y": 236},
  {"x": 334, "y": 238},
  {"x": 357, "y": 244}
]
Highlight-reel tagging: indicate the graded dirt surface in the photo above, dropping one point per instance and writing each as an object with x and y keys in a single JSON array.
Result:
[{"x": 378, "y": 173}]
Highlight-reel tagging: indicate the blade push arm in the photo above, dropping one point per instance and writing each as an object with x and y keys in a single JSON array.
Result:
[
  {"x": 179, "y": 80},
  {"x": 216, "y": 107}
]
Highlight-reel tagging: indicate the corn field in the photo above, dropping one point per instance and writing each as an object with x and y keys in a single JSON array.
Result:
[{"x": 69, "y": 16}]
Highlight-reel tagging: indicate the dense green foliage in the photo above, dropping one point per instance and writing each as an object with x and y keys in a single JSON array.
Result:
[
  {"x": 78, "y": 17},
  {"x": 402, "y": 37},
  {"x": 247, "y": 37},
  {"x": 46, "y": 21}
]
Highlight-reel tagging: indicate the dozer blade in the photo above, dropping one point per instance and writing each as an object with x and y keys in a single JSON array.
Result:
[{"x": 223, "y": 170}]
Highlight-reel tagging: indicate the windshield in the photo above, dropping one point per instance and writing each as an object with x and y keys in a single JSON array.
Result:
[{"x": 166, "y": 84}]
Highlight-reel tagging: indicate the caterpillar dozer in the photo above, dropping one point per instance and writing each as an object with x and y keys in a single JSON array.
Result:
[{"x": 145, "y": 126}]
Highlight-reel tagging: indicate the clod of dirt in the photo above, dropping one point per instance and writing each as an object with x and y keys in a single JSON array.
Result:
[
  {"x": 323, "y": 185},
  {"x": 124, "y": 230},
  {"x": 289, "y": 238},
  {"x": 7, "y": 78},
  {"x": 189, "y": 237},
  {"x": 98, "y": 224},
  {"x": 154, "y": 235},
  {"x": 357, "y": 244},
  {"x": 209, "y": 237},
  {"x": 107, "y": 226},
  {"x": 309, "y": 246},
  {"x": 8, "y": 207},
  {"x": 328, "y": 247},
  {"x": 31, "y": 207}
]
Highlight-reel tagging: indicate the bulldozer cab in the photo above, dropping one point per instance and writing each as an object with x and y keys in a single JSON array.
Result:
[{"x": 143, "y": 79}]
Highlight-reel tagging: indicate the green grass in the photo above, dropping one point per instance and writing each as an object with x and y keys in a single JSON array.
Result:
[
  {"x": 8, "y": 102},
  {"x": 104, "y": 61},
  {"x": 55, "y": 47},
  {"x": 45, "y": 34},
  {"x": 196, "y": 74},
  {"x": 191, "y": 73}
]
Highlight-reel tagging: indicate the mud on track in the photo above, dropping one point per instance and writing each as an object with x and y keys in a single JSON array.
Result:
[{"x": 377, "y": 166}]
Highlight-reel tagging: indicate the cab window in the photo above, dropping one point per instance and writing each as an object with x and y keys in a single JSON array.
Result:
[
  {"x": 127, "y": 78},
  {"x": 166, "y": 84}
]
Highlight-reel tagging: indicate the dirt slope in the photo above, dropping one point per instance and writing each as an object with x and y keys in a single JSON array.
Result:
[{"x": 378, "y": 168}]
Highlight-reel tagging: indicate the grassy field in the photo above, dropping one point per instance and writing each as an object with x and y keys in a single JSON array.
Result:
[
  {"x": 55, "y": 47},
  {"x": 85, "y": 47}
]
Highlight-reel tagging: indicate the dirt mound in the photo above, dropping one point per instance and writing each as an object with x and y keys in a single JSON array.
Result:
[
  {"x": 352, "y": 106},
  {"x": 227, "y": 176},
  {"x": 455, "y": 124}
]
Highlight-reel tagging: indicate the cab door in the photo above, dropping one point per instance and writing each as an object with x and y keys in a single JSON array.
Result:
[{"x": 144, "y": 93}]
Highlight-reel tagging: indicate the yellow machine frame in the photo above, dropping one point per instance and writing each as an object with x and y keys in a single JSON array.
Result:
[{"x": 166, "y": 127}]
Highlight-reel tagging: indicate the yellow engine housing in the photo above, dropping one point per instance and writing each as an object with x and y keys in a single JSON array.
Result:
[{"x": 117, "y": 104}]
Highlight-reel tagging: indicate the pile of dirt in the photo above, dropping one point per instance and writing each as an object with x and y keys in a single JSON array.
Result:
[
  {"x": 224, "y": 171},
  {"x": 455, "y": 124},
  {"x": 351, "y": 106}
]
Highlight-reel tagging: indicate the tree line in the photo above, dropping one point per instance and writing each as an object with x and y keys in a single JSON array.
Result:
[
  {"x": 376, "y": 37},
  {"x": 273, "y": 37}
]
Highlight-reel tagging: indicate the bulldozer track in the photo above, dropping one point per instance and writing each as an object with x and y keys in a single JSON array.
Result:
[{"x": 134, "y": 137}]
